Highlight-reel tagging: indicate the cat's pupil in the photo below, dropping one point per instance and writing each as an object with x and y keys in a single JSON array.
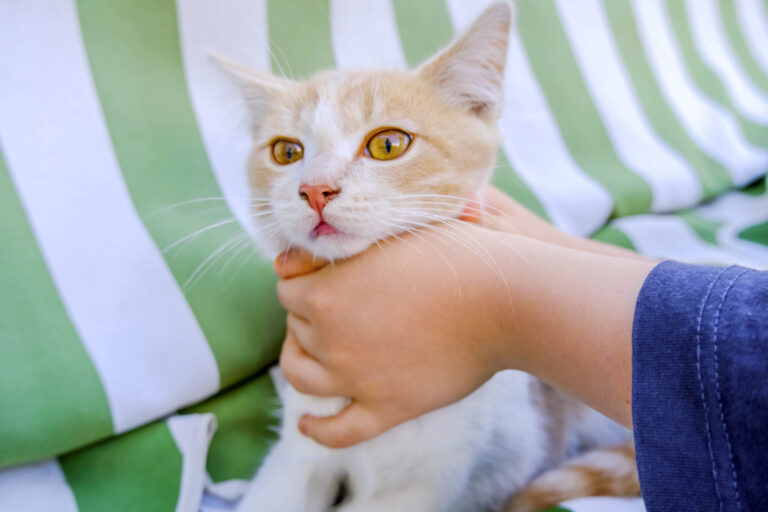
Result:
[
  {"x": 289, "y": 152},
  {"x": 388, "y": 145}
]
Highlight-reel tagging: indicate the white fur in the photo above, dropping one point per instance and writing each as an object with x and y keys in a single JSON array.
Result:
[{"x": 467, "y": 457}]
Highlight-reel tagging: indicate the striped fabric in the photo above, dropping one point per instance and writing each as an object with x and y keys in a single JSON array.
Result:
[{"x": 129, "y": 290}]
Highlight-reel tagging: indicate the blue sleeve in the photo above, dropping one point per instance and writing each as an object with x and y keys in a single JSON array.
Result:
[{"x": 700, "y": 388}]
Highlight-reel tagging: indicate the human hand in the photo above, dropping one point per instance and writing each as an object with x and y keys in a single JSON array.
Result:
[
  {"x": 558, "y": 309},
  {"x": 402, "y": 331}
]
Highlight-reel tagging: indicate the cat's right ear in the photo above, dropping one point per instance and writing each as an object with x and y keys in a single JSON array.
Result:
[{"x": 260, "y": 90}]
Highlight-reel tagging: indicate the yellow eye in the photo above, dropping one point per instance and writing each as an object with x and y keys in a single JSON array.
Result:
[
  {"x": 287, "y": 151},
  {"x": 388, "y": 144}
]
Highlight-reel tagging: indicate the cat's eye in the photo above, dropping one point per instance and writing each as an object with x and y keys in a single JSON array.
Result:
[
  {"x": 286, "y": 151},
  {"x": 388, "y": 144}
]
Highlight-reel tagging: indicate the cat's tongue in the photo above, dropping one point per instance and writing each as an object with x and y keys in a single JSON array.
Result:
[{"x": 323, "y": 228}]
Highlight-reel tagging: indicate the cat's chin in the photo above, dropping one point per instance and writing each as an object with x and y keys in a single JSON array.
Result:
[{"x": 337, "y": 246}]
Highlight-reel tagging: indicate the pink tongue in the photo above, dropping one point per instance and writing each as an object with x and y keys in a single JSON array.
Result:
[{"x": 323, "y": 228}]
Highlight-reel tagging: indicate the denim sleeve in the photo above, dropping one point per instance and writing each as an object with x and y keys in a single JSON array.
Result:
[{"x": 700, "y": 388}]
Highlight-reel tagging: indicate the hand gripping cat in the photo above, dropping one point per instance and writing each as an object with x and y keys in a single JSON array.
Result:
[{"x": 349, "y": 158}]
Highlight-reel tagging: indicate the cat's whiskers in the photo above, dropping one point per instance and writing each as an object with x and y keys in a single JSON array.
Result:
[
  {"x": 417, "y": 233},
  {"x": 197, "y": 233},
  {"x": 210, "y": 260},
  {"x": 240, "y": 266},
  {"x": 243, "y": 244},
  {"x": 469, "y": 206},
  {"x": 465, "y": 241}
]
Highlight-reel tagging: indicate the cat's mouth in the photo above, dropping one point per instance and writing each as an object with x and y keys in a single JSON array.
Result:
[{"x": 322, "y": 229}]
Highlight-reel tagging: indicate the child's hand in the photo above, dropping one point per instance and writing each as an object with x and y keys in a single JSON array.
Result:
[
  {"x": 425, "y": 321},
  {"x": 402, "y": 331}
]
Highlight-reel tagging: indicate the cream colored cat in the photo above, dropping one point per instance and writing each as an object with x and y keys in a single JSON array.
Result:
[{"x": 349, "y": 158}]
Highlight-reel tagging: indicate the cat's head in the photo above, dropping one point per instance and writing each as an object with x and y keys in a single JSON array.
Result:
[{"x": 347, "y": 158}]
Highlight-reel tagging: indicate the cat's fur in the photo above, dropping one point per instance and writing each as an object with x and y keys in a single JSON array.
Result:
[{"x": 472, "y": 455}]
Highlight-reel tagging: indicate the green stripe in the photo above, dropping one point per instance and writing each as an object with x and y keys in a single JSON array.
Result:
[
  {"x": 135, "y": 58},
  {"x": 706, "y": 229},
  {"x": 739, "y": 44},
  {"x": 757, "y": 234},
  {"x": 246, "y": 418},
  {"x": 614, "y": 236},
  {"x": 425, "y": 27},
  {"x": 507, "y": 179},
  {"x": 52, "y": 399},
  {"x": 714, "y": 177},
  {"x": 136, "y": 472},
  {"x": 299, "y": 37},
  {"x": 704, "y": 77},
  {"x": 555, "y": 67}
]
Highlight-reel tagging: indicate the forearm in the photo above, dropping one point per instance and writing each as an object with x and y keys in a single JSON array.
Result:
[{"x": 573, "y": 325}]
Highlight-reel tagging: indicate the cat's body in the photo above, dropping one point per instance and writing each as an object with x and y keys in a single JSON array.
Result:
[
  {"x": 350, "y": 158},
  {"x": 467, "y": 457}
]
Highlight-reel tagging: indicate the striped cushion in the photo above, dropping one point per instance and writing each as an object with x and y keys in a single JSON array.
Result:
[{"x": 128, "y": 289}]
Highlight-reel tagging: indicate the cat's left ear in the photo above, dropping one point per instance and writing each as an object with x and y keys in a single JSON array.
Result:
[
  {"x": 470, "y": 72},
  {"x": 261, "y": 90}
]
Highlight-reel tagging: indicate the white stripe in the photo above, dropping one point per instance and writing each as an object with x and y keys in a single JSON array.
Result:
[
  {"x": 39, "y": 487},
  {"x": 669, "y": 237},
  {"x": 364, "y": 35},
  {"x": 134, "y": 322},
  {"x": 713, "y": 46},
  {"x": 574, "y": 200},
  {"x": 753, "y": 18},
  {"x": 604, "y": 503},
  {"x": 713, "y": 128},
  {"x": 237, "y": 30},
  {"x": 192, "y": 434},
  {"x": 673, "y": 182}
]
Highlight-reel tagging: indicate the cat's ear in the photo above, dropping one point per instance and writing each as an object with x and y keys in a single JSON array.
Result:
[
  {"x": 470, "y": 72},
  {"x": 260, "y": 90}
]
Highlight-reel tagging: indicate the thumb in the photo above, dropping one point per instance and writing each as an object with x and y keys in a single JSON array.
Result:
[
  {"x": 296, "y": 262},
  {"x": 353, "y": 425}
]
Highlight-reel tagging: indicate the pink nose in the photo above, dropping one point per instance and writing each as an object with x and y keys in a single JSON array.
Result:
[{"x": 318, "y": 195}]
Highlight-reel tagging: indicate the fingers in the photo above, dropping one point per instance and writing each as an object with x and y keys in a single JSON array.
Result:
[
  {"x": 296, "y": 262},
  {"x": 472, "y": 212},
  {"x": 304, "y": 335},
  {"x": 353, "y": 425},
  {"x": 304, "y": 372},
  {"x": 293, "y": 295}
]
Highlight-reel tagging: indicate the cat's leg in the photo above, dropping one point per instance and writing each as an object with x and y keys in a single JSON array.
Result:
[{"x": 292, "y": 480}]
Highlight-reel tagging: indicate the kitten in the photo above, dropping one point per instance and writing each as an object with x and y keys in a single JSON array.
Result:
[{"x": 349, "y": 158}]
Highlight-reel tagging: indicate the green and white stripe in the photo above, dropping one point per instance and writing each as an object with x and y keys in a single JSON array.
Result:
[
  {"x": 128, "y": 286},
  {"x": 717, "y": 52},
  {"x": 670, "y": 177},
  {"x": 238, "y": 30},
  {"x": 92, "y": 239},
  {"x": 709, "y": 124},
  {"x": 752, "y": 24},
  {"x": 365, "y": 36}
]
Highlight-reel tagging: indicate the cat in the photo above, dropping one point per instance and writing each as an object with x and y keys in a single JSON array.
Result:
[{"x": 349, "y": 158}]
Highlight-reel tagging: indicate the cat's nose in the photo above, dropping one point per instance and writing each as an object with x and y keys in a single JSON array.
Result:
[{"x": 318, "y": 195}]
